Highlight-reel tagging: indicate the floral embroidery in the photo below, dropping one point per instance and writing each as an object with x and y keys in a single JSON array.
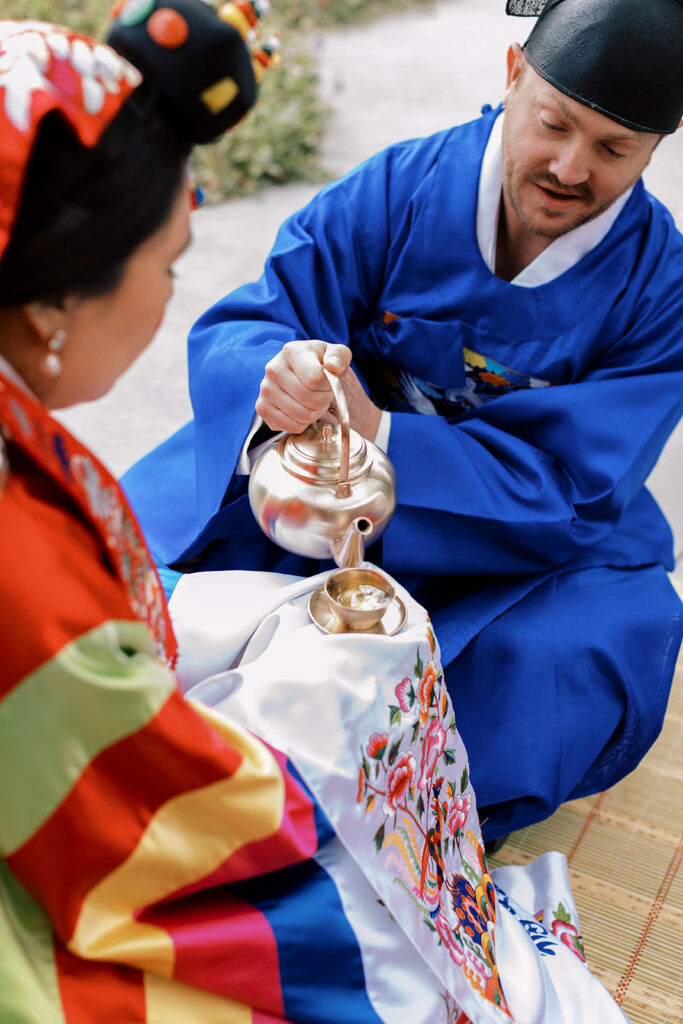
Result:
[
  {"x": 425, "y": 691},
  {"x": 398, "y": 781},
  {"x": 421, "y": 819},
  {"x": 405, "y": 694},
  {"x": 447, "y": 936},
  {"x": 563, "y": 929},
  {"x": 361, "y": 786},
  {"x": 377, "y": 745},
  {"x": 435, "y": 741},
  {"x": 453, "y": 1014},
  {"x": 457, "y": 815}
]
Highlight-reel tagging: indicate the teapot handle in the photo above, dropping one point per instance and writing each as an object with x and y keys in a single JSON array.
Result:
[{"x": 343, "y": 486}]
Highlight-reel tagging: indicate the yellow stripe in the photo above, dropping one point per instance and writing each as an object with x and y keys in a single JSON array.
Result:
[
  {"x": 186, "y": 840},
  {"x": 29, "y": 990},
  {"x": 167, "y": 1002},
  {"x": 54, "y": 723}
]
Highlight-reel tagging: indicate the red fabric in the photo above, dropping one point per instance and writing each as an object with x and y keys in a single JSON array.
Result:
[
  {"x": 223, "y": 945},
  {"x": 107, "y": 811},
  {"x": 55, "y": 577},
  {"x": 94, "y": 993},
  {"x": 100, "y": 501}
]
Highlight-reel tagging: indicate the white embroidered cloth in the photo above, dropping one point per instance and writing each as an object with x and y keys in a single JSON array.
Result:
[{"x": 367, "y": 721}]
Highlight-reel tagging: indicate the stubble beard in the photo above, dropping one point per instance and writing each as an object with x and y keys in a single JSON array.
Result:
[{"x": 548, "y": 230}]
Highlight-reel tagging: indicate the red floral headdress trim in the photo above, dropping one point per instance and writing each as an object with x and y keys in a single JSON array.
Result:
[{"x": 44, "y": 68}]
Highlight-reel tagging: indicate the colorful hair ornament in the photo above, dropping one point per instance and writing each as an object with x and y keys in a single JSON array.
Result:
[
  {"x": 266, "y": 56},
  {"x": 244, "y": 16},
  {"x": 198, "y": 63},
  {"x": 168, "y": 28}
]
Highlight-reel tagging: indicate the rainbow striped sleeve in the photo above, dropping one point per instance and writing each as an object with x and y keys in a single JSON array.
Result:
[
  {"x": 158, "y": 864},
  {"x": 121, "y": 805}
]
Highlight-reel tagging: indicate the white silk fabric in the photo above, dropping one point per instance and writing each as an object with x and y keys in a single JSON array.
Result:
[{"x": 367, "y": 722}]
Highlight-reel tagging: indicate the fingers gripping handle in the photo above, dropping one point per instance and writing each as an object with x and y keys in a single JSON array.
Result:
[{"x": 343, "y": 486}]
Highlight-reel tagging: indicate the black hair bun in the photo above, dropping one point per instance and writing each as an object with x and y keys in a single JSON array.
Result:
[{"x": 199, "y": 64}]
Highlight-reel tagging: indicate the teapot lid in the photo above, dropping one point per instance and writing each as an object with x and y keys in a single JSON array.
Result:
[{"x": 316, "y": 453}]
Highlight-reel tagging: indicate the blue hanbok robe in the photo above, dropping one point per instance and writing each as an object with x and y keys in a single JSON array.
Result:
[{"x": 524, "y": 424}]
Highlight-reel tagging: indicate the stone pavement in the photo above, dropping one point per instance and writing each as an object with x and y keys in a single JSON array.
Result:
[{"x": 406, "y": 75}]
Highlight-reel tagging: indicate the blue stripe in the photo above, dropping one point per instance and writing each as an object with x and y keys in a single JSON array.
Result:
[{"x": 321, "y": 970}]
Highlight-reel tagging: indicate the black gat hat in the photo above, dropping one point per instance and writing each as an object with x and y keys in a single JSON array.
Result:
[{"x": 623, "y": 58}]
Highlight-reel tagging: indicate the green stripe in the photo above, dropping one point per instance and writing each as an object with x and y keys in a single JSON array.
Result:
[
  {"x": 99, "y": 689},
  {"x": 29, "y": 990}
]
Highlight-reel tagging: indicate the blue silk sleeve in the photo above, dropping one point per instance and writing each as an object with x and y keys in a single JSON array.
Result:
[
  {"x": 321, "y": 279},
  {"x": 523, "y": 484}
]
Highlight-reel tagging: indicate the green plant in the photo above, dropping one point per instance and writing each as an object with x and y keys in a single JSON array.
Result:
[{"x": 280, "y": 140}]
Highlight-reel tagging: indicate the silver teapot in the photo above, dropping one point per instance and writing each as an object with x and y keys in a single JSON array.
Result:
[{"x": 324, "y": 493}]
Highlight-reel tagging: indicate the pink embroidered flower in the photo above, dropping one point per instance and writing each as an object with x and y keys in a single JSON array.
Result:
[
  {"x": 405, "y": 694},
  {"x": 568, "y": 934},
  {"x": 446, "y": 935},
  {"x": 457, "y": 814},
  {"x": 432, "y": 749},
  {"x": 398, "y": 781},
  {"x": 425, "y": 691},
  {"x": 377, "y": 745}
]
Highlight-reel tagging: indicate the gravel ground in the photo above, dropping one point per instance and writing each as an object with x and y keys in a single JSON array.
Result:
[{"x": 404, "y": 76}]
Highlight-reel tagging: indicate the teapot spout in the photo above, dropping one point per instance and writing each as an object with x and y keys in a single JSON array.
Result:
[{"x": 349, "y": 551}]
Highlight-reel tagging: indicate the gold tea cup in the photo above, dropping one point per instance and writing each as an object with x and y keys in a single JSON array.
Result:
[{"x": 359, "y": 597}]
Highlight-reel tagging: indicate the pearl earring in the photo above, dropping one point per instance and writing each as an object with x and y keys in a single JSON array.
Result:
[{"x": 51, "y": 364}]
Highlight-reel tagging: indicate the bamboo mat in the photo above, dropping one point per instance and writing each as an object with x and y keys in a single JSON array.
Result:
[{"x": 624, "y": 849}]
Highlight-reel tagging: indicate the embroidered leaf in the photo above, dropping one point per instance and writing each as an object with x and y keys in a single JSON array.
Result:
[
  {"x": 378, "y": 837},
  {"x": 470, "y": 872},
  {"x": 366, "y": 768},
  {"x": 416, "y": 730},
  {"x": 449, "y": 756},
  {"x": 452, "y": 726},
  {"x": 411, "y": 790},
  {"x": 393, "y": 751},
  {"x": 376, "y": 769},
  {"x": 465, "y": 778},
  {"x": 420, "y": 806},
  {"x": 451, "y": 791},
  {"x": 395, "y": 715},
  {"x": 562, "y": 914},
  {"x": 429, "y": 924},
  {"x": 419, "y": 667},
  {"x": 370, "y": 803}
]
